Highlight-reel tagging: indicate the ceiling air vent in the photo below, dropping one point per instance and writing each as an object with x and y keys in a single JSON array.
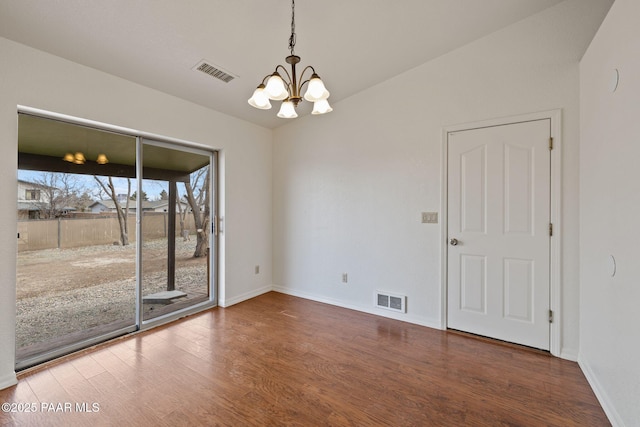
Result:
[{"x": 214, "y": 71}]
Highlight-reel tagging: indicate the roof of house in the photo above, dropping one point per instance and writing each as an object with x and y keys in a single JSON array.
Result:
[
  {"x": 34, "y": 184},
  {"x": 146, "y": 204},
  {"x": 28, "y": 206},
  {"x": 36, "y": 206}
]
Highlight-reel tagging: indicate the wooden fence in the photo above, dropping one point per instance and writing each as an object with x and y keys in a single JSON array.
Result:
[{"x": 64, "y": 233}]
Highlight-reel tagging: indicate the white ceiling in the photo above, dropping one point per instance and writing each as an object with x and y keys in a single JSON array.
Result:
[{"x": 352, "y": 44}]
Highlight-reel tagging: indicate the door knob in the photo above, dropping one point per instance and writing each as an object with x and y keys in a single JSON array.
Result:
[{"x": 453, "y": 242}]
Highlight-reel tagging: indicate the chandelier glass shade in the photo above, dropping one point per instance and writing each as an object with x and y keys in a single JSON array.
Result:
[
  {"x": 79, "y": 159},
  {"x": 287, "y": 87}
]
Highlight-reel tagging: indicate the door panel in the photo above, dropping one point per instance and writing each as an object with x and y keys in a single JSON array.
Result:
[
  {"x": 499, "y": 213},
  {"x": 175, "y": 230},
  {"x": 518, "y": 189},
  {"x": 76, "y": 266},
  {"x": 472, "y": 191},
  {"x": 473, "y": 283},
  {"x": 518, "y": 284}
]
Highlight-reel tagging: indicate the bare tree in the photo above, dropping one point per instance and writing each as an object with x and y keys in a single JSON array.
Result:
[
  {"x": 58, "y": 191},
  {"x": 199, "y": 204},
  {"x": 182, "y": 213},
  {"x": 84, "y": 201},
  {"x": 47, "y": 199},
  {"x": 123, "y": 213}
]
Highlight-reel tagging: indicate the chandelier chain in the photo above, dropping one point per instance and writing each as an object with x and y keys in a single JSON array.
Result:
[{"x": 292, "y": 38}]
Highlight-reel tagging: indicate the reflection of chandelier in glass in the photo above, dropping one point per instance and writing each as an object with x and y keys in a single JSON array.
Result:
[
  {"x": 79, "y": 159},
  {"x": 289, "y": 91}
]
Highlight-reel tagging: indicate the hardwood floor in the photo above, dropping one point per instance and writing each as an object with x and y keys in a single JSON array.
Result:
[{"x": 278, "y": 360}]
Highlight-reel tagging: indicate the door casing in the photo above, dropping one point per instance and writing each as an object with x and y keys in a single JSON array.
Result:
[{"x": 555, "y": 302}]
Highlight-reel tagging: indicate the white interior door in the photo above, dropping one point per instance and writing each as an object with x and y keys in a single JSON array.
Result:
[{"x": 498, "y": 230}]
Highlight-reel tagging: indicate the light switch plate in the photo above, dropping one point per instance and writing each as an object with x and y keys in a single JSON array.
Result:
[{"x": 429, "y": 217}]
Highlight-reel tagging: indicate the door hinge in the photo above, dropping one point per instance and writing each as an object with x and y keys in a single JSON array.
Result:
[
  {"x": 550, "y": 229},
  {"x": 551, "y": 143},
  {"x": 550, "y": 316}
]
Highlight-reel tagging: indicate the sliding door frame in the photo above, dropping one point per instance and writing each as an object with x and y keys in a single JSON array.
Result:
[
  {"x": 212, "y": 226},
  {"x": 214, "y": 246}
]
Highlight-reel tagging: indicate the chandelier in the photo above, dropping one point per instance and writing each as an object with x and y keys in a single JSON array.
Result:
[
  {"x": 79, "y": 159},
  {"x": 288, "y": 89}
]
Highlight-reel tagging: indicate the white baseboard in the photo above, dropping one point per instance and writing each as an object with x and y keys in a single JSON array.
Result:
[
  {"x": 601, "y": 395},
  {"x": 569, "y": 354},
  {"x": 370, "y": 310},
  {"x": 227, "y": 302},
  {"x": 8, "y": 380}
]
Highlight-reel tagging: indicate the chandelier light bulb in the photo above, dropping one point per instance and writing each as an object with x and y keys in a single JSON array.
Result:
[
  {"x": 316, "y": 91},
  {"x": 79, "y": 158},
  {"x": 260, "y": 99},
  {"x": 321, "y": 107},
  {"x": 102, "y": 159},
  {"x": 287, "y": 111},
  {"x": 276, "y": 88}
]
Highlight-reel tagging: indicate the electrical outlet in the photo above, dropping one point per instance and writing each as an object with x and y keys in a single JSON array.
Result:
[
  {"x": 429, "y": 217},
  {"x": 257, "y": 269},
  {"x": 345, "y": 278}
]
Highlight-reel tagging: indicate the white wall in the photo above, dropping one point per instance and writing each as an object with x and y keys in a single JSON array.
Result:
[
  {"x": 610, "y": 212},
  {"x": 36, "y": 79},
  {"x": 349, "y": 186}
]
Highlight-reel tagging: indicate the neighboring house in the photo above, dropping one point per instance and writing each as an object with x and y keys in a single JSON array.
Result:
[
  {"x": 147, "y": 206},
  {"x": 163, "y": 206},
  {"x": 32, "y": 199},
  {"x": 121, "y": 198},
  {"x": 109, "y": 206},
  {"x": 102, "y": 206}
]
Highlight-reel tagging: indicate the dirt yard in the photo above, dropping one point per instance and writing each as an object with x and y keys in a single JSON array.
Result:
[{"x": 68, "y": 291}]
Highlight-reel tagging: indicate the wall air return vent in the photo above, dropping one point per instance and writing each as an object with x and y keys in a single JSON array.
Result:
[
  {"x": 214, "y": 71},
  {"x": 393, "y": 302}
]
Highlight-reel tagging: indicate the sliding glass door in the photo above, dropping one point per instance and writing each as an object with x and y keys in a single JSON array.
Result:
[
  {"x": 115, "y": 232},
  {"x": 176, "y": 228}
]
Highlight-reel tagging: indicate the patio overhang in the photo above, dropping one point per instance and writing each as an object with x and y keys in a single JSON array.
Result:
[{"x": 43, "y": 142}]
